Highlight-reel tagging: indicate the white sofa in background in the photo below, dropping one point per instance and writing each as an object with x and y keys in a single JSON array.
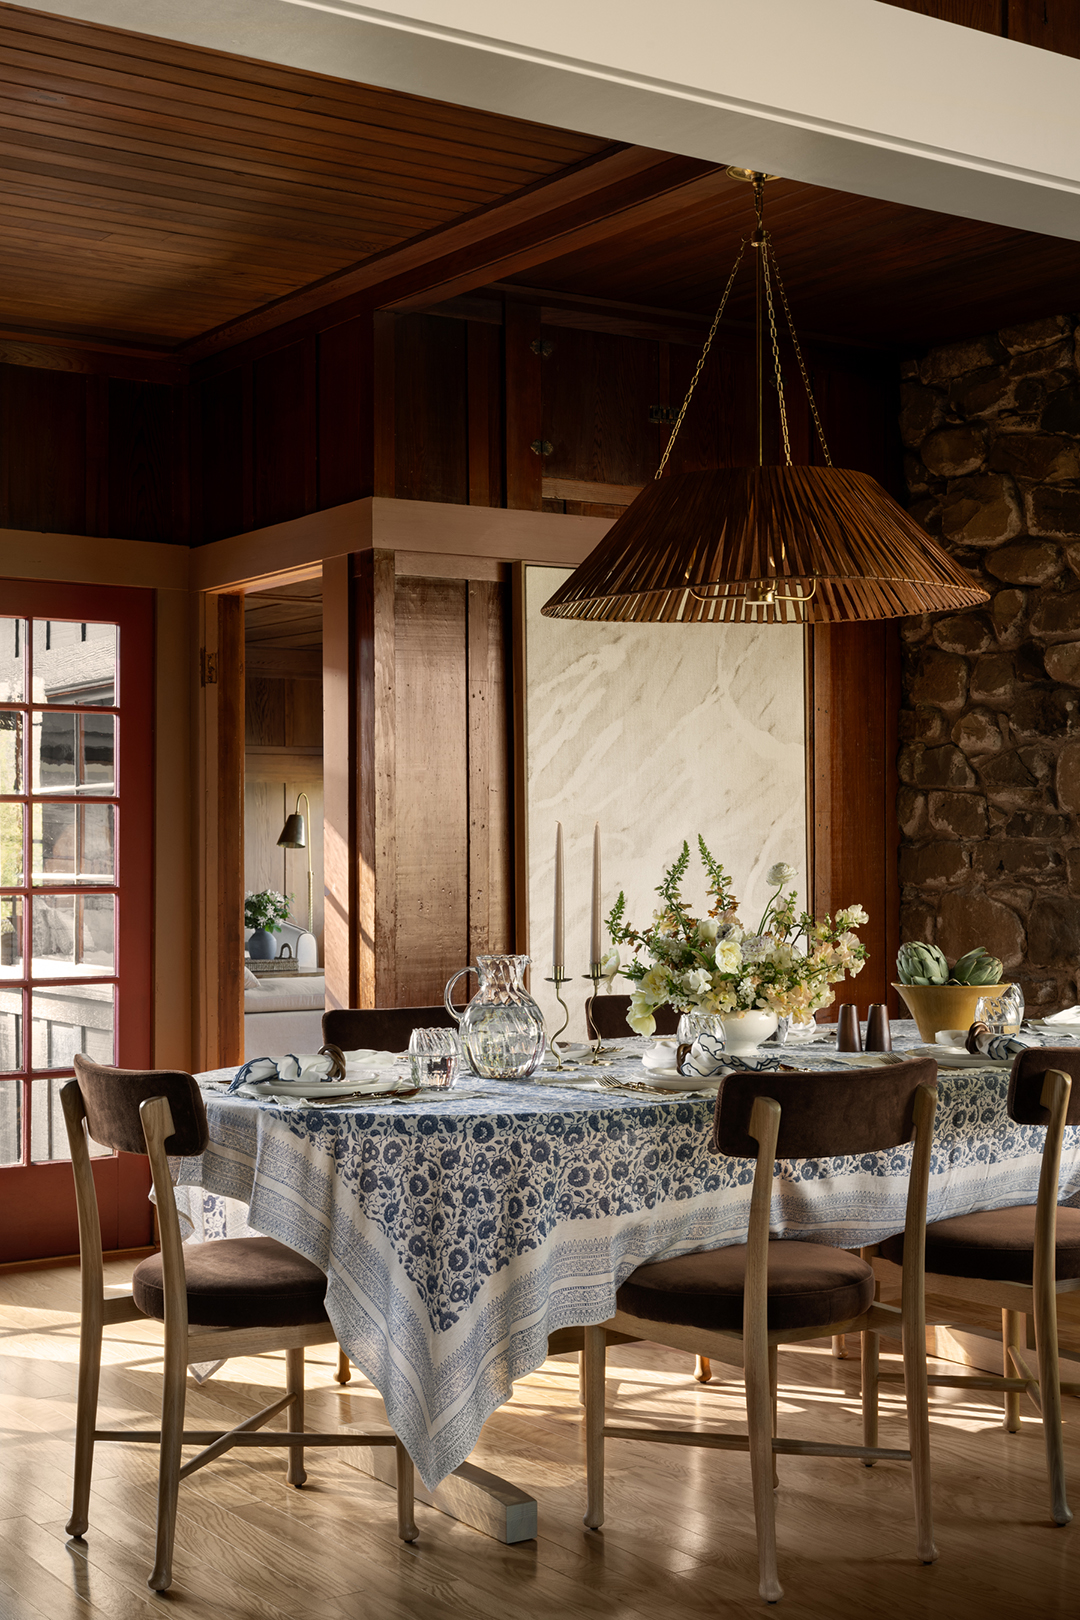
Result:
[{"x": 283, "y": 1013}]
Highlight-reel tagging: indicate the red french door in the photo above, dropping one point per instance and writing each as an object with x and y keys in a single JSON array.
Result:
[{"x": 76, "y": 837}]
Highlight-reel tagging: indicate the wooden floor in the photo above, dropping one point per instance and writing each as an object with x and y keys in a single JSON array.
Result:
[{"x": 679, "y": 1541}]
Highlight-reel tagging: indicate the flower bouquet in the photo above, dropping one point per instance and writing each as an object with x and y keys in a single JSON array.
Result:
[
  {"x": 715, "y": 965},
  {"x": 266, "y": 908}
]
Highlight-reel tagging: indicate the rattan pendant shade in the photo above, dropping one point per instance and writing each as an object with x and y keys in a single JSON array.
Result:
[
  {"x": 767, "y": 544},
  {"x": 764, "y": 545}
]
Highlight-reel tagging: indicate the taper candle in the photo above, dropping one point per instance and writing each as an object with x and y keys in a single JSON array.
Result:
[
  {"x": 558, "y": 948},
  {"x": 596, "y": 950}
]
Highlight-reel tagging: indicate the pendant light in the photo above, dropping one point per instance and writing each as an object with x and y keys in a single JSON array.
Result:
[{"x": 767, "y": 544}]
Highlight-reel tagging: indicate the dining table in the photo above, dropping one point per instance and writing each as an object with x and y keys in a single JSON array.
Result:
[{"x": 459, "y": 1229}]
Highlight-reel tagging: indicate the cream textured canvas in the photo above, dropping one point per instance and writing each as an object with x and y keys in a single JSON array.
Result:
[{"x": 658, "y": 732}]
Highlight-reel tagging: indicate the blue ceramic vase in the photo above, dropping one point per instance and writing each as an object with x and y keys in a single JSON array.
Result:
[{"x": 262, "y": 946}]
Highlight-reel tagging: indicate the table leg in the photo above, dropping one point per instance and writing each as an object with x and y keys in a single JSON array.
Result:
[
  {"x": 703, "y": 1370},
  {"x": 344, "y": 1367},
  {"x": 471, "y": 1494}
]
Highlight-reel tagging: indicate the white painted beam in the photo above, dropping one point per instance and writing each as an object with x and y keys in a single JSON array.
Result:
[{"x": 850, "y": 94}]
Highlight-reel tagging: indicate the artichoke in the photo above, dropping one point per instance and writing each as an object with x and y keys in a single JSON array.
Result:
[
  {"x": 921, "y": 964},
  {"x": 977, "y": 967}
]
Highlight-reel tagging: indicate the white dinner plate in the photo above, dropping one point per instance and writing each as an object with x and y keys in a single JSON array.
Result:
[
  {"x": 373, "y": 1085},
  {"x": 1063, "y": 1026},
  {"x": 672, "y": 1080},
  {"x": 954, "y": 1057}
]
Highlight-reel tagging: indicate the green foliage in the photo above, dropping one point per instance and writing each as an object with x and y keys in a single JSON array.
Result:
[{"x": 266, "y": 908}]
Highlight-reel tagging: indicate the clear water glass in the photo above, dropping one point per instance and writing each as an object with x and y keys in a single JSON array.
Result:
[
  {"x": 693, "y": 1024},
  {"x": 1001, "y": 1014},
  {"x": 434, "y": 1058}
]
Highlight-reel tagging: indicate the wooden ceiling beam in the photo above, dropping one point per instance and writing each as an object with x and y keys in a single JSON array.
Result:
[{"x": 599, "y": 197}]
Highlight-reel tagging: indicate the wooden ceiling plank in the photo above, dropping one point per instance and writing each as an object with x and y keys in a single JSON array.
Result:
[
  {"x": 315, "y": 182},
  {"x": 415, "y": 119},
  {"x": 56, "y": 95}
]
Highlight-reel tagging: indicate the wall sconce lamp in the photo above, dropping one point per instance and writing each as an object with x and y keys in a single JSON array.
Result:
[{"x": 294, "y": 836}]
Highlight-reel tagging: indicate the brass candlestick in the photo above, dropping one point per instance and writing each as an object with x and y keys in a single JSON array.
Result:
[
  {"x": 558, "y": 977},
  {"x": 596, "y": 974}
]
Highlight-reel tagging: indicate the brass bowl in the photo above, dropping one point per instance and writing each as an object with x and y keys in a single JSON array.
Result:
[{"x": 944, "y": 1006}]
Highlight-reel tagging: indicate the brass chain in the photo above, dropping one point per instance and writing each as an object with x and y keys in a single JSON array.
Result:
[
  {"x": 802, "y": 366},
  {"x": 766, "y": 249},
  {"x": 701, "y": 361}
]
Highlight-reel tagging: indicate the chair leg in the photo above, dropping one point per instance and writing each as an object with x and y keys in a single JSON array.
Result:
[
  {"x": 344, "y": 1367},
  {"x": 773, "y": 1376},
  {"x": 173, "y": 1400},
  {"x": 296, "y": 1473},
  {"x": 916, "y": 1393},
  {"x": 594, "y": 1356},
  {"x": 759, "y": 1416},
  {"x": 703, "y": 1370},
  {"x": 406, "y": 1522},
  {"x": 871, "y": 1343},
  {"x": 1012, "y": 1326},
  {"x": 1050, "y": 1401},
  {"x": 85, "y": 1423}
]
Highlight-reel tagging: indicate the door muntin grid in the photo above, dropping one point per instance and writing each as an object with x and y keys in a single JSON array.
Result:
[{"x": 59, "y": 893}]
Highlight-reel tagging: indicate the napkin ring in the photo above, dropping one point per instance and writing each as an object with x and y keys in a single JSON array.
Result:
[{"x": 337, "y": 1060}]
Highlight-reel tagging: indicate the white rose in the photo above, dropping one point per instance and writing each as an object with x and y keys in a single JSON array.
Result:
[
  {"x": 707, "y": 930},
  {"x": 729, "y": 956},
  {"x": 698, "y": 981}
]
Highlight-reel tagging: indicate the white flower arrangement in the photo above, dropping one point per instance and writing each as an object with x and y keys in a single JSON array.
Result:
[
  {"x": 714, "y": 965},
  {"x": 266, "y": 908}
]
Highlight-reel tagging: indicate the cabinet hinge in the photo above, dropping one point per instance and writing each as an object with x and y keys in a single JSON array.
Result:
[{"x": 208, "y": 667}]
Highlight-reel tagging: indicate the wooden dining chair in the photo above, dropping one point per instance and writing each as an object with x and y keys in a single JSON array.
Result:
[
  {"x": 738, "y": 1304},
  {"x": 386, "y": 1029},
  {"x": 1019, "y": 1259},
  {"x": 605, "y": 1016},
  {"x": 234, "y": 1297}
]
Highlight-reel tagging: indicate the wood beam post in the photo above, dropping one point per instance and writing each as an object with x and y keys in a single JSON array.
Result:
[{"x": 524, "y": 418}]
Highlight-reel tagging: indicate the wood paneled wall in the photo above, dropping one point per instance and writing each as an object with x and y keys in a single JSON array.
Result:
[
  {"x": 427, "y": 737},
  {"x": 283, "y": 757}
]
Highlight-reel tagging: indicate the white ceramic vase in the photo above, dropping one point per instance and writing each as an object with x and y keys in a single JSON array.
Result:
[{"x": 745, "y": 1031}]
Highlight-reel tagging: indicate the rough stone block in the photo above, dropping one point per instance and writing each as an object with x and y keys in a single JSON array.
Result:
[
  {"x": 958, "y": 815},
  {"x": 911, "y": 813},
  {"x": 1035, "y": 334},
  {"x": 1067, "y": 777},
  {"x": 955, "y": 359},
  {"x": 1072, "y": 867},
  {"x": 966, "y": 920},
  {"x": 993, "y": 677},
  {"x": 967, "y": 632},
  {"x": 1053, "y": 510},
  {"x": 1063, "y": 663},
  {"x": 932, "y": 865},
  {"x": 1046, "y": 994},
  {"x": 1054, "y": 931},
  {"x": 1020, "y": 858},
  {"x": 1062, "y": 413},
  {"x": 1006, "y": 781},
  {"x": 951, "y": 451},
  {"x": 923, "y": 725},
  {"x": 1007, "y": 613},
  {"x": 981, "y": 511},
  {"x": 917, "y": 920},
  {"x": 978, "y": 732},
  {"x": 921, "y": 409},
  {"x": 1025, "y": 562},
  {"x": 915, "y": 477},
  {"x": 996, "y": 393},
  {"x": 1043, "y": 457},
  {"x": 1037, "y": 824},
  {"x": 1057, "y": 616},
  {"x": 1013, "y": 895},
  {"x": 943, "y": 767},
  {"x": 941, "y": 679}
]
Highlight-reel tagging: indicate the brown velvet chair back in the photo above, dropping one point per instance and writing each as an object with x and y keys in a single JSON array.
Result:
[
  {"x": 606, "y": 1016},
  {"x": 111, "y": 1098},
  {"x": 823, "y": 1114},
  {"x": 1026, "y": 1083},
  {"x": 387, "y": 1029}
]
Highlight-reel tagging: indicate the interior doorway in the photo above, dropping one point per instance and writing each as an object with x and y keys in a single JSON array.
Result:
[{"x": 283, "y": 777}]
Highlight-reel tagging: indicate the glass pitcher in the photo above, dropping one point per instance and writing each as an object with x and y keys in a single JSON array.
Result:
[{"x": 502, "y": 1028}]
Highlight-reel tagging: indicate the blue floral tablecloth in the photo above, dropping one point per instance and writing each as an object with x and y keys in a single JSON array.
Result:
[{"x": 458, "y": 1234}]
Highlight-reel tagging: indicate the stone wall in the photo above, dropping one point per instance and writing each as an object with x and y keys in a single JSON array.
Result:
[{"x": 990, "y": 757}]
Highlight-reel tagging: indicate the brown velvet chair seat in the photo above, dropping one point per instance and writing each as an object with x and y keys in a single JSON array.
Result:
[
  {"x": 238, "y": 1283},
  {"x": 810, "y": 1285},
  {"x": 997, "y": 1245}
]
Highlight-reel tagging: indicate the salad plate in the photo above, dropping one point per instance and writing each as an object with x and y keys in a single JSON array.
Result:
[{"x": 372, "y": 1084}]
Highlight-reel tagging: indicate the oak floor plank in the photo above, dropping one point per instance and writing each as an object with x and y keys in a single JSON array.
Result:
[{"x": 678, "y": 1543}]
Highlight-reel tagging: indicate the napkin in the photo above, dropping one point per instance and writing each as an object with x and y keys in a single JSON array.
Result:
[
  {"x": 707, "y": 1057},
  {"x": 307, "y": 1066},
  {"x": 1067, "y": 1015}
]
